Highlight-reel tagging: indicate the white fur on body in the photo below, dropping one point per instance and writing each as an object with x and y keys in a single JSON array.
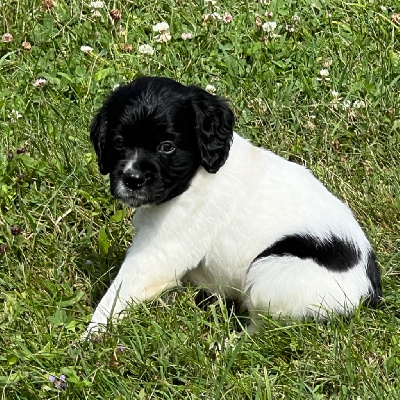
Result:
[{"x": 210, "y": 234}]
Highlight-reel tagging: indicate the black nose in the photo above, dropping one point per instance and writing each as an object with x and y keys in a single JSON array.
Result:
[{"x": 134, "y": 179}]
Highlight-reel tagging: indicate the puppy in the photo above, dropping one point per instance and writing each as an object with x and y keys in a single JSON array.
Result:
[{"x": 214, "y": 210}]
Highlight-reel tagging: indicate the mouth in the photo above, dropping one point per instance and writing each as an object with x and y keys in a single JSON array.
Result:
[
  {"x": 152, "y": 191},
  {"x": 143, "y": 195},
  {"x": 133, "y": 198}
]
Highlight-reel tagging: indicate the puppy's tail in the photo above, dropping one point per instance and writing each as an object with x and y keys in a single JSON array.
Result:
[{"x": 375, "y": 293}]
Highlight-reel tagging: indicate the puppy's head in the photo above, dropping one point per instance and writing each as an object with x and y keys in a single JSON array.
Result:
[{"x": 153, "y": 134}]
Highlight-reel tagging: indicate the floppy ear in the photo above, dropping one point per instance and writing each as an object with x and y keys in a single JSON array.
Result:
[
  {"x": 98, "y": 130},
  {"x": 214, "y": 128}
]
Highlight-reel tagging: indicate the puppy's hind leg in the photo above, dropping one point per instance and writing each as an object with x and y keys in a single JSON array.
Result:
[{"x": 287, "y": 286}]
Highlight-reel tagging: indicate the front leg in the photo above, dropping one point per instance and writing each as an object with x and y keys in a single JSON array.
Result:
[
  {"x": 135, "y": 282},
  {"x": 145, "y": 273}
]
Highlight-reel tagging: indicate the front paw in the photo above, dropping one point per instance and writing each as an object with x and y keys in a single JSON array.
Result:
[{"x": 94, "y": 328}]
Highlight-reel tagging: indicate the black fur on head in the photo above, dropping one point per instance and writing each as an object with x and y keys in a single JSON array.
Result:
[{"x": 153, "y": 134}]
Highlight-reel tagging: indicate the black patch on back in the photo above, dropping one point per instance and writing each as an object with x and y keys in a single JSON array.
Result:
[
  {"x": 334, "y": 253},
  {"x": 375, "y": 293}
]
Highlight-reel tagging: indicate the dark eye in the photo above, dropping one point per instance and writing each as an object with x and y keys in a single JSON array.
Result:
[
  {"x": 118, "y": 142},
  {"x": 166, "y": 147}
]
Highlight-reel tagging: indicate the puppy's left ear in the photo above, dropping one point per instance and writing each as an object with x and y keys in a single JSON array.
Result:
[
  {"x": 214, "y": 128},
  {"x": 98, "y": 130}
]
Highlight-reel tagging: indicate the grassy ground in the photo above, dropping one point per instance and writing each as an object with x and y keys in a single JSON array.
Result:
[{"x": 62, "y": 235}]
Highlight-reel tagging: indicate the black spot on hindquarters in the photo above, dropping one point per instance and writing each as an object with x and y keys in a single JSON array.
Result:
[
  {"x": 375, "y": 293},
  {"x": 333, "y": 253}
]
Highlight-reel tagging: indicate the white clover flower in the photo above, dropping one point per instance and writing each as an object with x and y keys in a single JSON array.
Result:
[
  {"x": 335, "y": 102},
  {"x": 359, "y": 104},
  {"x": 97, "y": 4},
  {"x": 211, "y": 89},
  {"x": 86, "y": 49},
  {"x": 383, "y": 8},
  {"x": 96, "y": 14},
  {"x": 324, "y": 73},
  {"x": 395, "y": 19},
  {"x": 161, "y": 27},
  {"x": 39, "y": 82},
  {"x": 14, "y": 115},
  {"x": 7, "y": 38},
  {"x": 269, "y": 26},
  {"x": 269, "y": 14},
  {"x": 227, "y": 18},
  {"x": 290, "y": 28},
  {"x": 163, "y": 37},
  {"x": 146, "y": 49},
  {"x": 186, "y": 36},
  {"x": 296, "y": 19}
]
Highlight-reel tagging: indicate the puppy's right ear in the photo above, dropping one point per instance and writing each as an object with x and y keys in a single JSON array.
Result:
[{"x": 98, "y": 130}]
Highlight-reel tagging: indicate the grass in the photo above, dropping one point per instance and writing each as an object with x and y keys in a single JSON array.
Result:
[{"x": 69, "y": 235}]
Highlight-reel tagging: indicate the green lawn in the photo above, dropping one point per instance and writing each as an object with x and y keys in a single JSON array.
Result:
[{"x": 321, "y": 88}]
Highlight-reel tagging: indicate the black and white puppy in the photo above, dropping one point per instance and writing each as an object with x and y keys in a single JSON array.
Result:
[{"x": 214, "y": 210}]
